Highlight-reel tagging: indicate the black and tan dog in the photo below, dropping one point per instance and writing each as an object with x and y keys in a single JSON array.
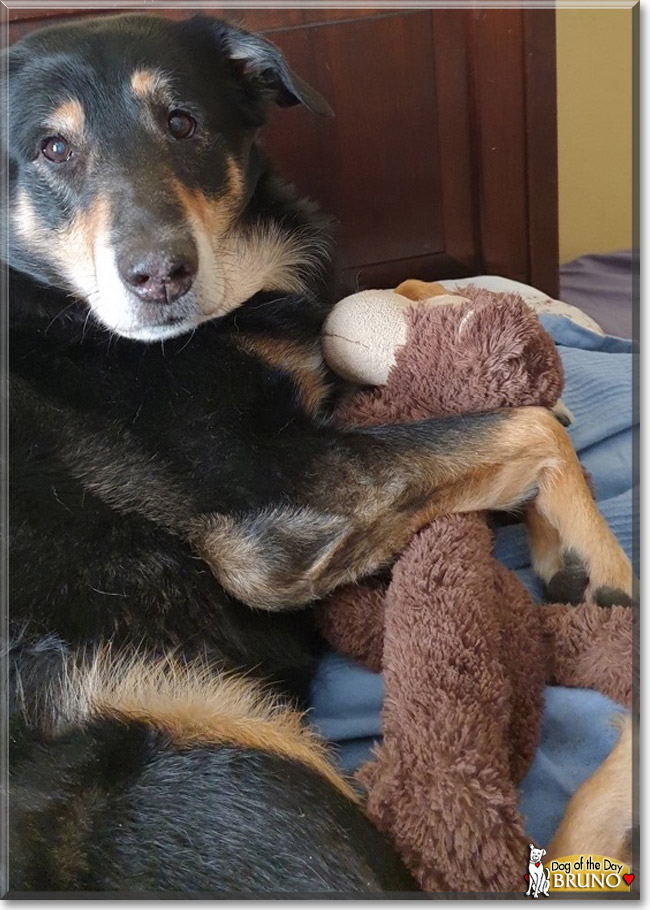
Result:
[{"x": 176, "y": 486}]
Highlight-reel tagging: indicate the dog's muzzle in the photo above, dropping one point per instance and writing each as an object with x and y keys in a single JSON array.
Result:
[{"x": 160, "y": 275}]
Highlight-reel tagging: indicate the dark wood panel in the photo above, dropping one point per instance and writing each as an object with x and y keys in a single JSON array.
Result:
[
  {"x": 458, "y": 178},
  {"x": 263, "y": 17},
  {"x": 376, "y": 166},
  {"x": 260, "y": 20},
  {"x": 541, "y": 126},
  {"x": 431, "y": 267},
  {"x": 499, "y": 138}
]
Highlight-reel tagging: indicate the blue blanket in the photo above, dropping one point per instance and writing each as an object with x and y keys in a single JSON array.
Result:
[{"x": 577, "y": 730}]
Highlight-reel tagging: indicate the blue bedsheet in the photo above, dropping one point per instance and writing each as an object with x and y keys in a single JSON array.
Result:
[{"x": 577, "y": 732}]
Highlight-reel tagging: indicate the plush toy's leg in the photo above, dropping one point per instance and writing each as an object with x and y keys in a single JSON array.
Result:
[
  {"x": 352, "y": 621},
  {"x": 440, "y": 783},
  {"x": 591, "y": 647},
  {"x": 523, "y": 649}
]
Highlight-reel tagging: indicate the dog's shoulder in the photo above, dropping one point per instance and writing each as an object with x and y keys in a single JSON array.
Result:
[{"x": 282, "y": 334}]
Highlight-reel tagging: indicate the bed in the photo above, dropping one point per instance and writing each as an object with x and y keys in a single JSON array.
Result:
[{"x": 441, "y": 163}]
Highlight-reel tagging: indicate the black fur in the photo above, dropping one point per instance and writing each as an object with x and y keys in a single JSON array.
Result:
[
  {"x": 116, "y": 807},
  {"x": 113, "y": 444},
  {"x": 194, "y": 412}
]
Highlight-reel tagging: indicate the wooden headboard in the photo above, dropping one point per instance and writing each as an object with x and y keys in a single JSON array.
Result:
[{"x": 442, "y": 158}]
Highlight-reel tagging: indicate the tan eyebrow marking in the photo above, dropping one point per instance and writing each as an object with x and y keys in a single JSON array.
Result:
[
  {"x": 216, "y": 214},
  {"x": 147, "y": 84},
  {"x": 68, "y": 118}
]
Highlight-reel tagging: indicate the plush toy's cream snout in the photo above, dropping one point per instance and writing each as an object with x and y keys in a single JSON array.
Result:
[{"x": 364, "y": 331}]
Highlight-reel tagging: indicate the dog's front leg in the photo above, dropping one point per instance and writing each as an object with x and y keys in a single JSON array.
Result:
[{"x": 362, "y": 494}]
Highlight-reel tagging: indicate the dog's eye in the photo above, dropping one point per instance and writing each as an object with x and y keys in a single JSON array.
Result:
[
  {"x": 181, "y": 125},
  {"x": 56, "y": 149}
]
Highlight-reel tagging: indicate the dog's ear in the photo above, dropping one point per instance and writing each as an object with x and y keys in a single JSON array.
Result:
[{"x": 262, "y": 65}]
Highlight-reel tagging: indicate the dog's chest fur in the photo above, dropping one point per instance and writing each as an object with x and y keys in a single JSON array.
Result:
[{"x": 212, "y": 404}]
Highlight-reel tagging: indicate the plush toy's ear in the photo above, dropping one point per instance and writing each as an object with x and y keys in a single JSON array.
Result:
[{"x": 262, "y": 64}]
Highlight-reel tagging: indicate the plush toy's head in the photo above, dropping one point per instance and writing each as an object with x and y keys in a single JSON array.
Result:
[
  {"x": 365, "y": 331},
  {"x": 442, "y": 355}
]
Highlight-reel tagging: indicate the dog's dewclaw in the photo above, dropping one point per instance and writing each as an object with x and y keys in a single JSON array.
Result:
[{"x": 563, "y": 414}]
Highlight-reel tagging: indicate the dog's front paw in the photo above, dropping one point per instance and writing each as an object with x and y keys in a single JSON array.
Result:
[
  {"x": 569, "y": 585},
  {"x": 606, "y": 596},
  {"x": 573, "y": 585}
]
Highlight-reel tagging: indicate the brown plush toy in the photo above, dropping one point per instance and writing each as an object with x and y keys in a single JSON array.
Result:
[{"x": 464, "y": 651}]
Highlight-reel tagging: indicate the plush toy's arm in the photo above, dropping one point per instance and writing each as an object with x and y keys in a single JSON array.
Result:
[
  {"x": 352, "y": 621},
  {"x": 592, "y": 647}
]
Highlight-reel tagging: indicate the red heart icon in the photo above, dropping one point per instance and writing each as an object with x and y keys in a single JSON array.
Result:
[
  {"x": 537, "y": 864},
  {"x": 526, "y": 877},
  {"x": 628, "y": 878}
]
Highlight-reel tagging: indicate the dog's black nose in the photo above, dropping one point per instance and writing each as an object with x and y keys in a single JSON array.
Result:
[{"x": 163, "y": 275}]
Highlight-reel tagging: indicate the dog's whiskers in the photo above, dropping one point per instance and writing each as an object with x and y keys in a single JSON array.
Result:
[
  {"x": 190, "y": 337},
  {"x": 59, "y": 314},
  {"x": 85, "y": 325}
]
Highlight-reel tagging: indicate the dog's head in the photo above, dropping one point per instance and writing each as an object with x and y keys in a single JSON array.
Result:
[
  {"x": 131, "y": 149},
  {"x": 536, "y": 853}
]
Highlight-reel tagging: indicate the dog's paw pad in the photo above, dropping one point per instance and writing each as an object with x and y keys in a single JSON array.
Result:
[{"x": 611, "y": 597}]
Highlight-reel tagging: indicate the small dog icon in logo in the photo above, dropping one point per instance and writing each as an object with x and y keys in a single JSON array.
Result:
[{"x": 539, "y": 878}]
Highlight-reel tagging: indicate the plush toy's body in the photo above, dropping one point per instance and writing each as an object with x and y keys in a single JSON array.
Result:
[{"x": 464, "y": 651}]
